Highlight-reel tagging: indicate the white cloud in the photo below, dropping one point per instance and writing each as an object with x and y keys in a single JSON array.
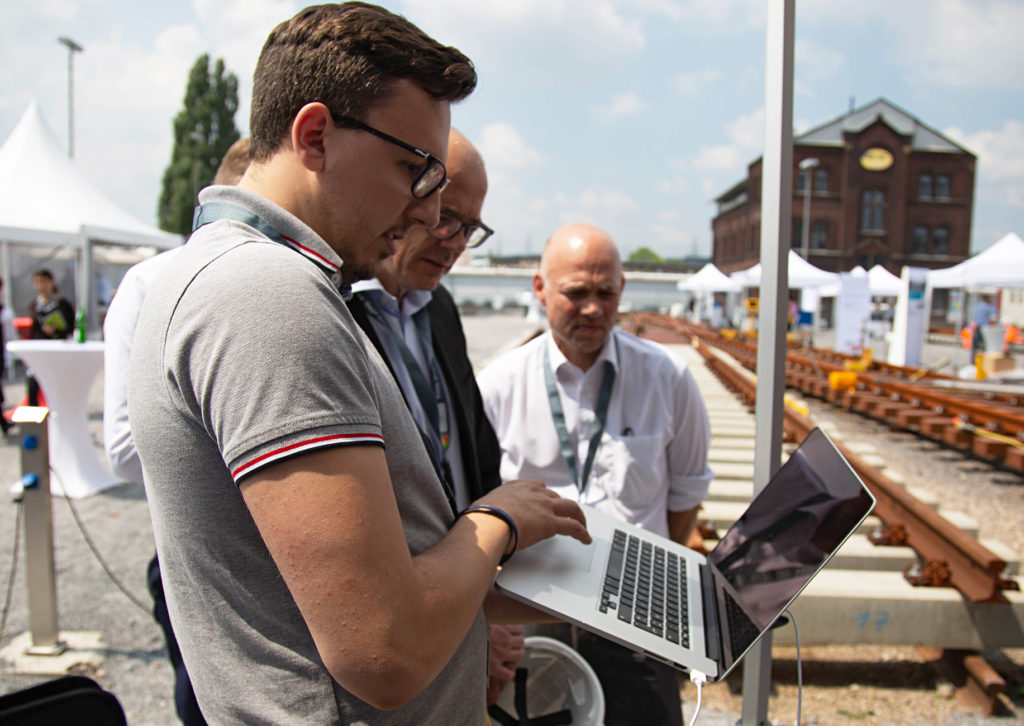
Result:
[
  {"x": 815, "y": 61},
  {"x": 504, "y": 149},
  {"x": 1000, "y": 152},
  {"x": 578, "y": 37},
  {"x": 1000, "y": 171},
  {"x": 968, "y": 43},
  {"x": 746, "y": 136},
  {"x": 622, "y": 105}
]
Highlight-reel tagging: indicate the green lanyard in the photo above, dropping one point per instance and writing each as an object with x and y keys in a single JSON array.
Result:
[{"x": 558, "y": 416}]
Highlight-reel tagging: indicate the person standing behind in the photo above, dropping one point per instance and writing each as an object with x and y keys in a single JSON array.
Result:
[
  {"x": 984, "y": 313},
  {"x": 413, "y": 322},
  {"x": 6, "y": 324},
  {"x": 118, "y": 331},
  {"x": 53, "y": 318},
  {"x": 607, "y": 419},
  {"x": 315, "y": 571}
]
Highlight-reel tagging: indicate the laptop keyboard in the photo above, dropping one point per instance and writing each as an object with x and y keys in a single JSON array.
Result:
[
  {"x": 742, "y": 631},
  {"x": 646, "y": 585}
]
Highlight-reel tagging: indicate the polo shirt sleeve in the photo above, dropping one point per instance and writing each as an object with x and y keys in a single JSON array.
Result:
[{"x": 276, "y": 368}]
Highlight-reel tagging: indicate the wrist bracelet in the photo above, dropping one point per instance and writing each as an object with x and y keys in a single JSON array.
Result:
[{"x": 502, "y": 515}]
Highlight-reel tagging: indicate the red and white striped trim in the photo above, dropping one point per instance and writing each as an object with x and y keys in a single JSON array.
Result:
[
  {"x": 311, "y": 254},
  {"x": 302, "y": 447}
]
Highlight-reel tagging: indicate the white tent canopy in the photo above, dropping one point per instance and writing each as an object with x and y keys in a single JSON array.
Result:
[
  {"x": 801, "y": 274},
  {"x": 46, "y": 201},
  {"x": 709, "y": 279},
  {"x": 883, "y": 283},
  {"x": 1001, "y": 265}
]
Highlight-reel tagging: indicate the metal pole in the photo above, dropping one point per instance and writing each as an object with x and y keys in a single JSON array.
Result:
[
  {"x": 776, "y": 224},
  {"x": 35, "y": 487},
  {"x": 805, "y": 166},
  {"x": 73, "y": 48}
]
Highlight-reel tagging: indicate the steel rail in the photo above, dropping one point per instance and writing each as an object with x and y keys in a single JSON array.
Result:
[{"x": 948, "y": 555}]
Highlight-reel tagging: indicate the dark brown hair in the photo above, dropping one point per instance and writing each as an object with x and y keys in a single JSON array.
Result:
[{"x": 346, "y": 56}]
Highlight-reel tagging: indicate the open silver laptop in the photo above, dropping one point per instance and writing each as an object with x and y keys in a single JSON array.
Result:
[{"x": 695, "y": 612}]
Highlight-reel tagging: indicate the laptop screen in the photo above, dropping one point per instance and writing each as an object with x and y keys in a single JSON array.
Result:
[{"x": 811, "y": 505}]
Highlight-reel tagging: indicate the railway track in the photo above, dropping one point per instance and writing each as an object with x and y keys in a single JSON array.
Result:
[{"x": 942, "y": 555}]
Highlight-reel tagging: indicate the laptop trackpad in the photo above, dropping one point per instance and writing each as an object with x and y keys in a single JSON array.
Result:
[{"x": 565, "y": 551}]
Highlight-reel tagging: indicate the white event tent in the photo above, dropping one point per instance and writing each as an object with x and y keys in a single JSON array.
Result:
[
  {"x": 45, "y": 201},
  {"x": 801, "y": 274},
  {"x": 709, "y": 279},
  {"x": 883, "y": 283},
  {"x": 703, "y": 284},
  {"x": 1001, "y": 265}
]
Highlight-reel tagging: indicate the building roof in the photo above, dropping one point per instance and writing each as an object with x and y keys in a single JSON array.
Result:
[{"x": 922, "y": 136}]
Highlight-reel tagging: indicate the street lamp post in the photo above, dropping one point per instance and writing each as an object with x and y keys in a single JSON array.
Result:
[
  {"x": 805, "y": 166},
  {"x": 73, "y": 48}
]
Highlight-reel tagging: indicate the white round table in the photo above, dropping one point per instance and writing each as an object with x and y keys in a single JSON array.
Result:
[{"x": 65, "y": 371}]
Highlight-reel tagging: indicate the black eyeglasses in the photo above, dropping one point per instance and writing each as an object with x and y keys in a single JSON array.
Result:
[
  {"x": 449, "y": 226},
  {"x": 433, "y": 176}
]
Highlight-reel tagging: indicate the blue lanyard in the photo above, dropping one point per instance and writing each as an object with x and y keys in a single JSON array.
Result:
[
  {"x": 431, "y": 395},
  {"x": 597, "y": 428},
  {"x": 213, "y": 211}
]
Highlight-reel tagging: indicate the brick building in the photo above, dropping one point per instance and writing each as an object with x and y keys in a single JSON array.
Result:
[{"x": 885, "y": 189}]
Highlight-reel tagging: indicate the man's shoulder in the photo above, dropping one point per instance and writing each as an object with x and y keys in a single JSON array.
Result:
[{"x": 651, "y": 355}]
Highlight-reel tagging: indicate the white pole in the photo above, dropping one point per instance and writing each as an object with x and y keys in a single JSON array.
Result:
[{"x": 776, "y": 225}]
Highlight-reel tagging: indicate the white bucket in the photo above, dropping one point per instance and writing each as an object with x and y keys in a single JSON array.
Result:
[{"x": 558, "y": 678}]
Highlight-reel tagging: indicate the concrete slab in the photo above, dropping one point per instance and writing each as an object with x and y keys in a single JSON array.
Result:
[
  {"x": 745, "y": 456},
  {"x": 732, "y": 442},
  {"x": 882, "y": 608},
  {"x": 84, "y": 648},
  {"x": 734, "y": 430},
  {"x": 733, "y": 470},
  {"x": 731, "y": 490}
]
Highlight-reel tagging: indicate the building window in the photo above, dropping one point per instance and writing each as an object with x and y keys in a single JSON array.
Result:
[
  {"x": 797, "y": 242},
  {"x": 819, "y": 236},
  {"x": 940, "y": 241},
  {"x": 820, "y": 181},
  {"x": 872, "y": 211},
  {"x": 919, "y": 241},
  {"x": 942, "y": 186},
  {"x": 801, "y": 180},
  {"x": 924, "y": 186}
]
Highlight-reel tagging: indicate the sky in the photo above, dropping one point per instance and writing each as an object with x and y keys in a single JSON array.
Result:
[{"x": 633, "y": 115}]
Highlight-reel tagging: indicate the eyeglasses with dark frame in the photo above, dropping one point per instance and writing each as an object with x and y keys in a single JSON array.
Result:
[
  {"x": 432, "y": 178},
  {"x": 476, "y": 232}
]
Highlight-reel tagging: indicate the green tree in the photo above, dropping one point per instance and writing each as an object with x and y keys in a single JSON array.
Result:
[
  {"x": 644, "y": 254},
  {"x": 203, "y": 131}
]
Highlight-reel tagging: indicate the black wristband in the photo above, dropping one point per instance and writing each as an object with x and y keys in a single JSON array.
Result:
[{"x": 502, "y": 515}]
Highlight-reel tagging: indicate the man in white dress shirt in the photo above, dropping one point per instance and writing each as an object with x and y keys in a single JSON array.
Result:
[{"x": 609, "y": 420}]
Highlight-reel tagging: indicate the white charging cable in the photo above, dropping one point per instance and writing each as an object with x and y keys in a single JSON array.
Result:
[
  {"x": 698, "y": 679},
  {"x": 799, "y": 666}
]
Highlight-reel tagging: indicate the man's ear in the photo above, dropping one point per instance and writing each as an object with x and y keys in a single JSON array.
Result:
[
  {"x": 309, "y": 130},
  {"x": 538, "y": 289}
]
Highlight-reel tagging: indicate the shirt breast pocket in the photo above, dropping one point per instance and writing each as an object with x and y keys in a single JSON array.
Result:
[{"x": 634, "y": 467}]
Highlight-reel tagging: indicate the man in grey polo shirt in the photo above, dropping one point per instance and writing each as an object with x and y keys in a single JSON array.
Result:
[{"x": 315, "y": 571}]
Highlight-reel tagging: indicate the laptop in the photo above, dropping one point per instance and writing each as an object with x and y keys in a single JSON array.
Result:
[{"x": 693, "y": 612}]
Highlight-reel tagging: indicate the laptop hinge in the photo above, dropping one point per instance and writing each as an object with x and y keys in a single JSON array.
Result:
[{"x": 712, "y": 631}]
